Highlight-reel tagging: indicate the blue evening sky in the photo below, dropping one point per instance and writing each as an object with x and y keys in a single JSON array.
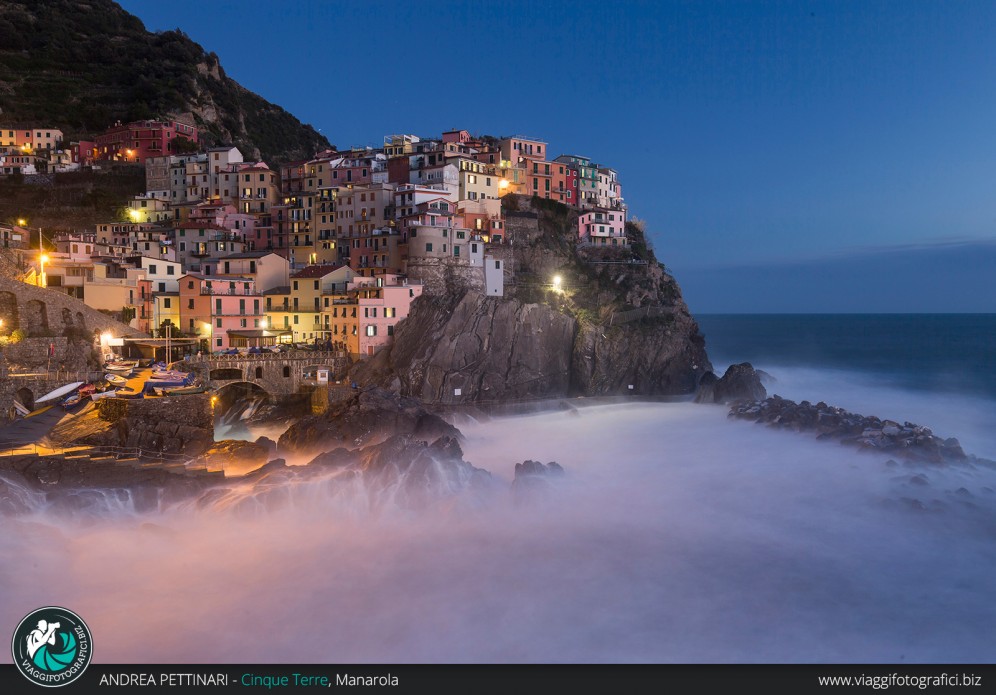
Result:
[{"x": 759, "y": 141}]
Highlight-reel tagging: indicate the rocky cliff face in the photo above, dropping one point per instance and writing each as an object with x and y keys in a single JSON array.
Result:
[{"x": 616, "y": 325}]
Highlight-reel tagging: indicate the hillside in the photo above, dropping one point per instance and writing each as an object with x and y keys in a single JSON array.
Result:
[{"x": 82, "y": 65}]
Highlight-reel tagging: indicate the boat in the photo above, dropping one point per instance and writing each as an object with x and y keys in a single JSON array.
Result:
[
  {"x": 59, "y": 393},
  {"x": 170, "y": 376},
  {"x": 182, "y": 390},
  {"x": 115, "y": 379},
  {"x": 103, "y": 394},
  {"x": 74, "y": 400},
  {"x": 88, "y": 389},
  {"x": 128, "y": 393},
  {"x": 120, "y": 366}
]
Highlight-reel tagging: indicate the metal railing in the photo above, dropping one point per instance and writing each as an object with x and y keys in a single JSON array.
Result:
[{"x": 117, "y": 452}]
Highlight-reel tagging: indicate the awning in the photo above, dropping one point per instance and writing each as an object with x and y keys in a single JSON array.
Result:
[{"x": 257, "y": 333}]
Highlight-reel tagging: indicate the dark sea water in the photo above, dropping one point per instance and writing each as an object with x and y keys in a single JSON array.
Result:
[
  {"x": 923, "y": 352},
  {"x": 937, "y": 370}
]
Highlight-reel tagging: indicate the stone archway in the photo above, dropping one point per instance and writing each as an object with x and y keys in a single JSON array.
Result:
[
  {"x": 25, "y": 397},
  {"x": 8, "y": 312},
  {"x": 67, "y": 318},
  {"x": 35, "y": 318}
]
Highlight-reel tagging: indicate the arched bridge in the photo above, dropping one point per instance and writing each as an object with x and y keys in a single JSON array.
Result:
[{"x": 279, "y": 374}]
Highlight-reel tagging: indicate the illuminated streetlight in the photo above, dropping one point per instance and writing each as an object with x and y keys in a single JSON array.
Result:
[
  {"x": 557, "y": 281},
  {"x": 134, "y": 214},
  {"x": 21, "y": 222},
  {"x": 44, "y": 259}
]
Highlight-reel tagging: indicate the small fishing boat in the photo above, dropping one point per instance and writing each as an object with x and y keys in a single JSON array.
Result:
[
  {"x": 169, "y": 375},
  {"x": 182, "y": 390},
  {"x": 103, "y": 394},
  {"x": 88, "y": 389},
  {"x": 74, "y": 400},
  {"x": 115, "y": 379},
  {"x": 128, "y": 393}
]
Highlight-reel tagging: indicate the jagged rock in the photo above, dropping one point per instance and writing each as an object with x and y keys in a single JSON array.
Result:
[
  {"x": 231, "y": 452},
  {"x": 369, "y": 417},
  {"x": 532, "y": 480},
  {"x": 268, "y": 444},
  {"x": 740, "y": 382},
  {"x": 911, "y": 441}
]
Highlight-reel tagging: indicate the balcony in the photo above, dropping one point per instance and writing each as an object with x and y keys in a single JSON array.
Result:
[{"x": 226, "y": 292}]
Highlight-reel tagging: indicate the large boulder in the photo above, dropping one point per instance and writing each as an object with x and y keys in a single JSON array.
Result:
[
  {"x": 741, "y": 382},
  {"x": 369, "y": 417}
]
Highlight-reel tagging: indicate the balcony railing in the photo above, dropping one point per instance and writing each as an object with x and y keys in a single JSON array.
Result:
[{"x": 226, "y": 292}]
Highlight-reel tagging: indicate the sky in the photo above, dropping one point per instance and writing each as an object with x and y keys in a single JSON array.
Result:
[{"x": 759, "y": 141}]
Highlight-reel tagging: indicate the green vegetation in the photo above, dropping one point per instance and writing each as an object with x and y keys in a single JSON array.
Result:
[
  {"x": 80, "y": 66},
  {"x": 76, "y": 200}
]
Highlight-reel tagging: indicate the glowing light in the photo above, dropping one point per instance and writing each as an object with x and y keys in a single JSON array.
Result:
[
  {"x": 105, "y": 337},
  {"x": 135, "y": 215},
  {"x": 44, "y": 258},
  {"x": 21, "y": 222},
  {"x": 503, "y": 184},
  {"x": 263, "y": 323},
  {"x": 557, "y": 282}
]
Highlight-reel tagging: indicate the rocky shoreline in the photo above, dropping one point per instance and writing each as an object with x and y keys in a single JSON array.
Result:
[{"x": 904, "y": 440}]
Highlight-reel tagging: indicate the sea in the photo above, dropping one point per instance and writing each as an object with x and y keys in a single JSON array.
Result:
[
  {"x": 937, "y": 370},
  {"x": 676, "y": 535}
]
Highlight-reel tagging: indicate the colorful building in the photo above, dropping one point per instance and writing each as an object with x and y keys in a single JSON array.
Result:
[{"x": 140, "y": 140}]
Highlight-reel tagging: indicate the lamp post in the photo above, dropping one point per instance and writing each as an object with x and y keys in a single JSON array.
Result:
[{"x": 43, "y": 259}]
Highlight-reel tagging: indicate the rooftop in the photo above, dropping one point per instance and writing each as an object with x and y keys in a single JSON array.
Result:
[{"x": 318, "y": 271}]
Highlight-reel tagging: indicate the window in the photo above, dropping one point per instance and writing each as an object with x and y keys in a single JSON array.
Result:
[
  {"x": 259, "y": 372},
  {"x": 166, "y": 303},
  {"x": 218, "y": 342},
  {"x": 371, "y": 331},
  {"x": 170, "y": 270},
  {"x": 428, "y": 247},
  {"x": 217, "y": 323},
  {"x": 190, "y": 303},
  {"x": 242, "y": 323},
  {"x": 497, "y": 265}
]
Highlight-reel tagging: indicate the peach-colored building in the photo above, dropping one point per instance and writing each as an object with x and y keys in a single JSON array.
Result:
[{"x": 215, "y": 307}]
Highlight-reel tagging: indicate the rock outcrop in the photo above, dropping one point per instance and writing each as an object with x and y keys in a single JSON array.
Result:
[
  {"x": 369, "y": 417},
  {"x": 906, "y": 440},
  {"x": 159, "y": 425},
  {"x": 740, "y": 382},
  {"x": 614, "y": 324}
]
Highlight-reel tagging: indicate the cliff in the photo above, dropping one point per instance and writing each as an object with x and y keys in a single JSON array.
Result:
[
  {"x": 616, "y": 324},
  {"x": 80, "y": 66}
]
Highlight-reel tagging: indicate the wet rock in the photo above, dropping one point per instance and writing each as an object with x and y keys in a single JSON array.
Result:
[
  {"x": 740, "y": 382},
  {"x": 910, "y": 441},
  {"x": 533, "y": 480},
  {"x": 268, "y": 444},
  {"x": 234, "y": 452},
  {"x": 368, "y": 417}
]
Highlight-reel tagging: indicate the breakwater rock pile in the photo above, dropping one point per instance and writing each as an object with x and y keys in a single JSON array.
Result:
[{"x": 906, "y": 440}]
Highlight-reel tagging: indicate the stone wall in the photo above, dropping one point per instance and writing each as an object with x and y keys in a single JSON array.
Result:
[
  {"x": 44, "y": 312},
  {"x": 446, "y": 275},
  {"x": 178, "y": 424}
]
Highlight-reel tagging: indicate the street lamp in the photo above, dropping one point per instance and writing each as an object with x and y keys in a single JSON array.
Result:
[
  {"x": 41, "y": 280},
  {"x": 557, "y": 282},
  {"x": 21, "y": 222}
]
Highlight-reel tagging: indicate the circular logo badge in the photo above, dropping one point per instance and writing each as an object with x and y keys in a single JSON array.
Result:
[{"x": 52, "y": 646}]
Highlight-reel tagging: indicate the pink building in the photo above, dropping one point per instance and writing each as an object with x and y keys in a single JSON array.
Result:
[
  {"x": 602, "y": 227},
  {"x": 216, "y": 307},
  {"x": 382, "y": 303}
]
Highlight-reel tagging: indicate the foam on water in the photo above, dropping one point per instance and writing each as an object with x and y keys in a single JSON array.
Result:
[{"x": 676, "y": 536}]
